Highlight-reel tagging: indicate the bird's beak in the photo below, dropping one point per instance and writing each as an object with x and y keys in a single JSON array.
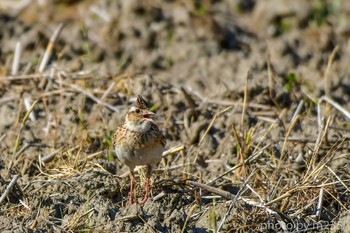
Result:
[{"x": 148, "y": 114}]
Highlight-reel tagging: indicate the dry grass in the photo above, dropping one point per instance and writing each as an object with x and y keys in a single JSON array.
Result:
[
  {"x": 286, "y": 187},
  {"x": 283, "y": 165}
]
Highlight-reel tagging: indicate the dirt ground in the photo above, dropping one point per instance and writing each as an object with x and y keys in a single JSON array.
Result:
[{"x": 253, "y": 97}]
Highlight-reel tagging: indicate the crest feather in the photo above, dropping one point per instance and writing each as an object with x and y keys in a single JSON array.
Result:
[{"x": 140, "y": 102}]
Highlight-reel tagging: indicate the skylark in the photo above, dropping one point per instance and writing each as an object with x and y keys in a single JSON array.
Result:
[{"x": 138, "y": 141}]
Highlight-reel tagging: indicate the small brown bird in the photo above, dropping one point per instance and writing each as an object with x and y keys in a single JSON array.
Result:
[{"x": 138, "y": 141}]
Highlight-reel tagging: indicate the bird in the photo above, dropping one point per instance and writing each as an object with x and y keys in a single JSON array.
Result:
[{"x": 139, "y": 141}]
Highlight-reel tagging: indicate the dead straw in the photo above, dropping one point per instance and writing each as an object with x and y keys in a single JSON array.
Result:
[
  {"x": 240, "y": 192},
  {"x": 29, "y": 110},
  {"x": 8, "y": 188},
  {"x": 189, "y": 215},
  {"x": 231, "y": 196},
  {"x": 319, "y": 204},
  {"x": 49, "y": 48},
  {"x": 17, "y": 58},
  {"x": 327, "y": 72},
  {"x": 334, "y": 104},
  {"x": 88, "y": 94},
  {"x": 173, "y": 150},
  {"x": 338, "y": 178},
  {"x": 245, "y": 98},
  {"x": 289, "y": 131},
  {"x": 48, "y": 158}
]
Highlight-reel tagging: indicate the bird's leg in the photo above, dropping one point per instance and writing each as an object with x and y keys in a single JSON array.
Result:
[
  {"x": 132, "y": 179},
  {"x": 147, "y": 192},
  {"x": 148, "y": 175}
]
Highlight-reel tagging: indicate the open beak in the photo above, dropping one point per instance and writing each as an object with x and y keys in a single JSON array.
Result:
[{"x": 148, "y": 114}]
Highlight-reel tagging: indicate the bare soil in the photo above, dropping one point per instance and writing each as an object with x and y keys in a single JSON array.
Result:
[{"x": 253, "y": 97}]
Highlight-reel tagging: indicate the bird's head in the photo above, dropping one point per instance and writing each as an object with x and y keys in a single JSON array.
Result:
[{"x": 139, "y": 116}]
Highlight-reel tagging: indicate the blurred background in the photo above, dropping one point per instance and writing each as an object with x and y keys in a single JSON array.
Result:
[{"x": 209, "y": 43}]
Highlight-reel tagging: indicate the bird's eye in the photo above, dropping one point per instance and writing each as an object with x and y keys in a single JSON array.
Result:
[{"x": 137, "y": 110}]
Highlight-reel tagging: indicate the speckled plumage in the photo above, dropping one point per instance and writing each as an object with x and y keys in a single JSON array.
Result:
[
  {"x": 134, "y": 143},
  {"x": 138, "y": 141}
]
